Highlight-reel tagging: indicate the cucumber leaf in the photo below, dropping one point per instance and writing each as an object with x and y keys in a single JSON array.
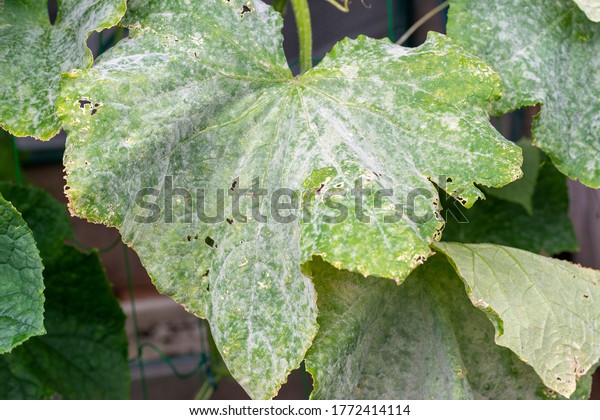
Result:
[
  {"x": 7, "y": 170},
  {"x": 46, "y": 217},
  {"x": 84, "y": 353},
  {"x": 422, "y": 340},
  {"x": 547, "y": 52},
  {"x": 545, "y": 310},
  {"x": 199, "y": 103},
  {"x": 21, "y": 281},
  {"x": 34, "y": 54}
]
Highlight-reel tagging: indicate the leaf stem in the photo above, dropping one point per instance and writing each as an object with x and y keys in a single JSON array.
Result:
[
  {"x": 302, "y": 15},
  {"x": 421, "y": 21}
]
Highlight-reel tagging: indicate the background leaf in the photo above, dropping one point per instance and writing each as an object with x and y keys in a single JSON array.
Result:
[
  {"x": 84, "y": 353},
  {"x": 7, "y": 170},
  {"x": 547, "y": 229},
  {"x": 421, "y": 340},
  {"x": 35, "y": 53},
  {"x": 546, "y": 52},
  {"x": 21, "y": 282},
  {"x": 46, "y": 217},
  {"x": 545, "y": 310},
  {"x": 522, "y": 190}
]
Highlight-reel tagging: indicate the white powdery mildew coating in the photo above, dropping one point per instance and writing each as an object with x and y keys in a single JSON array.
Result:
[
  {"x": 547, "y": 52},
  {"x": 202, "y": 92},
  {"x": 35, "y": 53}
]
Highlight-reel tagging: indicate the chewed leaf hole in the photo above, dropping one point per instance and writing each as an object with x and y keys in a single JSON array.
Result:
[
  {"x": 52, "y": 11},
  {"x": 87, "y": 105},
  {"x": 205, "y": 277},
  {"x": 210, "y": 242},
  {"x": 245, "y": 9}
]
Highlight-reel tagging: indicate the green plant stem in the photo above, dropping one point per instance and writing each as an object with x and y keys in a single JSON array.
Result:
[
  {"x": 302, "y": 15},
  {"x": 205, "y": 391},
  {"x": 18, "y": 172},
  {"x": 219, "y": 369},
  {"x": 421, "y": 21}
]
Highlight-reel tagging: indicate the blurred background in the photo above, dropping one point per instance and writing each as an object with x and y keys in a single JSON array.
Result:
[{"x": 170, "y": 350}]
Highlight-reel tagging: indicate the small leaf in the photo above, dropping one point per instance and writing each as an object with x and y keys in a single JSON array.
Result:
[
  {"x": 35, "y": 53},
  {"x": 591, "y": 8},
  {"x": 421, "y": 340},
  {"x": 21, "y": 282},
  {"x": 548, "y": 229},
  {"x": 544, "y": 310},
  {"x": 202, "y": 99},
  {"x": 547, "y": 52},
  {"x": 84, "y": 353}
]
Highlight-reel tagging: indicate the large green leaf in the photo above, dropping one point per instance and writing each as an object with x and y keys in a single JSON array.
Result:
[
  {"x": 202, "y": 98},
  {"x": 421, "y": 340},
  {"x": 547, "y": 229},
  {"x": 84, "y": 353},
  {"x": 545, "y": 310},
  {"x": 591, "y": 8},
  {"x": 21, "y": 281},
  {"x": 547, "y": 52},
  {"x": 34, "y": 53}
]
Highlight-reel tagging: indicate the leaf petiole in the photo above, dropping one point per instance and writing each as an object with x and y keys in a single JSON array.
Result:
[{"x": 302, "y": 15}]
